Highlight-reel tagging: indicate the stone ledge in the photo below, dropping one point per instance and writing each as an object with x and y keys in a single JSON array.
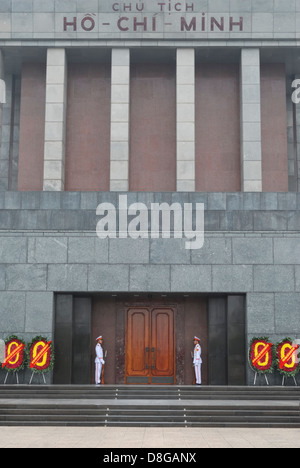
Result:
[
  {"x": 71, "y": 211},
  {"x": 230, "y": 201}
]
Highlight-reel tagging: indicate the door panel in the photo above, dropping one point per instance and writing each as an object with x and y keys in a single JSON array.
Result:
[
  {"x": 138, "y": 338},
  {"x": 150, "y": 345},
  {"x": 162, "y": 346}
]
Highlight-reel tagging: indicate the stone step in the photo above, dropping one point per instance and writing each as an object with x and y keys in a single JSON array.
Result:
[
  {"x": 225, "y": 420},
  {"x": 149, "y": 406},
  {"x": 140, "y": 392},
  {"x": 155, "y": 412}
]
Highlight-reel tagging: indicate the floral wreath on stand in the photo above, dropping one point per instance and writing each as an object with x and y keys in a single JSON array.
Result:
[
  {"x": 265, "y": 365},
  {"x": 292, "y": 366},
  {"x": 18, "y": 359},
  {"x": 45, "y": 362}
]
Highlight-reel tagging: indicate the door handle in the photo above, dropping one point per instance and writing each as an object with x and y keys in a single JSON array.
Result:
[
  {"x": 146, "y": 358},
  {"x": 153, "y": 358}
]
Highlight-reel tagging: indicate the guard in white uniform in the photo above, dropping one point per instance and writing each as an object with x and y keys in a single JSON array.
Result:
[
  {"x": 197, "y": 361},
  {"x": 98, "y": 360}
]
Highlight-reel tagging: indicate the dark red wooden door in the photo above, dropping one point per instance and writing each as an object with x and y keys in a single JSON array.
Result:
[{"x": 150, "y": 345}]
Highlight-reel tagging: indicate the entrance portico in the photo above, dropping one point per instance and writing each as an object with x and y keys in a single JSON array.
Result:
[{"x": 149, "y": 338}]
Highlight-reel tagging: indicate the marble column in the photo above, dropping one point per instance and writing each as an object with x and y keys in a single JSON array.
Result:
[
  {"x": 119, "y": 133},
  {"x": 250, "y": 118},
  {"x": 55, "y": 120},
  {"x": 185, "y": 116}
]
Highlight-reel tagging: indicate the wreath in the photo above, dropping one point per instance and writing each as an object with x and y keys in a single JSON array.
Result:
[
  {"x": 14, "y": 347},
  {"x": 291, "y": 367},
  {"x": 266, "y": 363},
  {"x": 40, "y": 355}
]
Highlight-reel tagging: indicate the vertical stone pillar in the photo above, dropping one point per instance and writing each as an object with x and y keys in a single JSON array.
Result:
[
  {"x": 185, "y": 115},
  {"x": 291, "y": 109},
  {"x": 55, "y": 120},
  {"x": 119, "y": 133},
  {"x": 2, "y": 82},
  {"x": 250, "y": 115},
  {"x": 3, "y": 177},
  {"x": 295, "y": 138}
]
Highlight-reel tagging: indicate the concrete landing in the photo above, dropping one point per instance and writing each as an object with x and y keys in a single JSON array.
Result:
[{"x": 147, "y": 438}]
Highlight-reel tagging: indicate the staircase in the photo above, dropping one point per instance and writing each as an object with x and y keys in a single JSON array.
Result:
[{"x": 157, "y": 406}]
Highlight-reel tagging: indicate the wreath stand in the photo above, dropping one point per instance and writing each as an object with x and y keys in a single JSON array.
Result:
[
  {"x": 283, "y": 379},
  {"x": 255, "y": 376},
  {"x": 33, "y": 375},
  {"x": 7, "y": 376}
]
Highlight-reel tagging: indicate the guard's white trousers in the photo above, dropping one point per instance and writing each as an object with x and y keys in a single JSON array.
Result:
[
  {"x": 198, "y": 373},
  {"x": 98, "y": 370}
]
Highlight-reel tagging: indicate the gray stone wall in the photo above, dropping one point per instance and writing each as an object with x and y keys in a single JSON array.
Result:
[
  {"x": 49, "y": 244},
  {"x": 243, "y": 20}
]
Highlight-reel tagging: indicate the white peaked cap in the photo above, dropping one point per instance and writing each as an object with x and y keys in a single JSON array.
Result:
[
  {"x": 99, "y": 337},
  {"x": 196, "y": 338}
]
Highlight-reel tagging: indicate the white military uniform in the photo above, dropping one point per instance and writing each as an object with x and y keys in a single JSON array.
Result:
[
  {"x": 197, "y": 361},
  {"x": 98, "y": 362}
]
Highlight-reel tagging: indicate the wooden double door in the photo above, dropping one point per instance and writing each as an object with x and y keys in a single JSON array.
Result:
[{"x": 150, "y": 345}]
